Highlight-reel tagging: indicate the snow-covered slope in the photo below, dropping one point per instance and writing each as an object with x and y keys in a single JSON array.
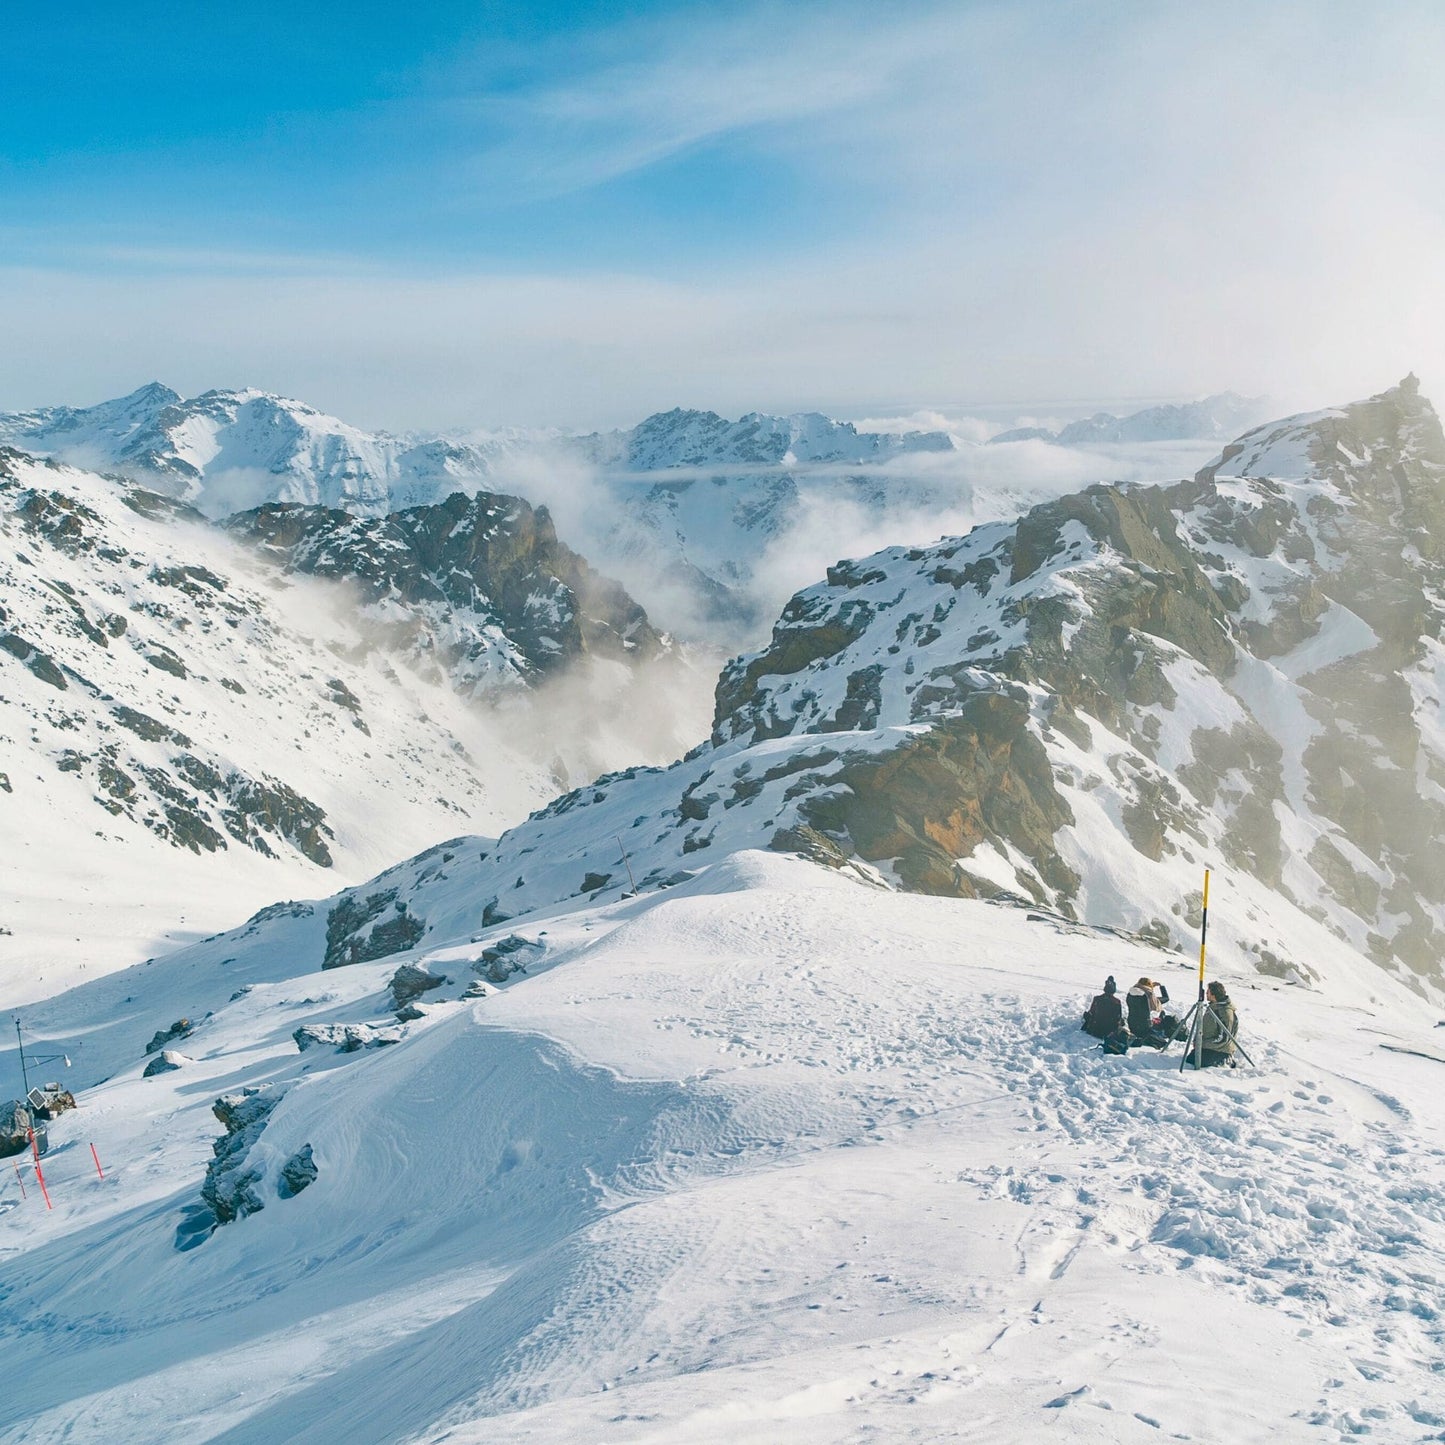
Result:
[
  {"x": 188, "y": 733},
  {"x": 629, "y": 1125},
  {"x": 769, "y": 1156}
]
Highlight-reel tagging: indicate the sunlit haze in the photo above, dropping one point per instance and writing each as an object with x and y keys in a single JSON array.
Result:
[{"x": 574, "y": 215}]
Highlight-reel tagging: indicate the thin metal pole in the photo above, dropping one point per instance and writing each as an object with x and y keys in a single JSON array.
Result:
[
  {"x": 20, "y": 1044},
  {"x": 626, "y": 864},
  {"x": 1203, "y": 935}
]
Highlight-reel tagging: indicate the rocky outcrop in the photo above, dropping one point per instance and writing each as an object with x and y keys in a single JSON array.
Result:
[
  {"x": 15, "y": 1126},
  {"x": 346, "y": 1038},
  {"x": 500, "y": 960},
  {"x": 410, "y": 982},
  {"x": 297, "y": 1173},
  {"x": 165, "y": 1062},
  {"x": 474, "y": 583},
  {"x": 364, "y": 926},
  {"x": 181, "y": 1029},
  {"x": 230, "y": 1190},
  {"x": 929, "y": 802}
]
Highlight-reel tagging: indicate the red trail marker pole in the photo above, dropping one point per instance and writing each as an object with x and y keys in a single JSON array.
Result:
[
  {"x": 39, "y": 1174},
  {"x": 96, "y": 1157}
]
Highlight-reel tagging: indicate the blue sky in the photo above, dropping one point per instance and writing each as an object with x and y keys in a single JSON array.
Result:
[
  {"x": 541, "y": 213},
  {"x": 428, "y": 136}
]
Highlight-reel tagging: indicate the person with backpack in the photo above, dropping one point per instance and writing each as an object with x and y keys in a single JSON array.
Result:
[
  {"x": 1218, "y": 1027},
  {"x": 1105, "y": 1015},
  {"x": 1144, "y": 1002}
]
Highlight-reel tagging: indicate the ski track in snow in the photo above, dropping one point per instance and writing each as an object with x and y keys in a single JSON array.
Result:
[{"x": 705, "y": 1179}]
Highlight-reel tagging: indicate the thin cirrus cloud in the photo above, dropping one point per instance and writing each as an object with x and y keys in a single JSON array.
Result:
[{"x": 747, "y": 81}]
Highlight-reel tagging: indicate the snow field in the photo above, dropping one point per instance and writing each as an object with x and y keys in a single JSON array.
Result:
[{"x": 768, "y": 1156}]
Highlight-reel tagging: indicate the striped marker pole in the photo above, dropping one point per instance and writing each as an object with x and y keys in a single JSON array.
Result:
[
  {"x": 39, "y": 1173},
  {"x": 96, "y": 1157},
  {"x": 1199, "y": 1021},
  {"x": 20, "y": 1180}
]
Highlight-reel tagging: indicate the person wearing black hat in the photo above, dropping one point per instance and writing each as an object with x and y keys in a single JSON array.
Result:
[{"x": 1106, "y": 1013}]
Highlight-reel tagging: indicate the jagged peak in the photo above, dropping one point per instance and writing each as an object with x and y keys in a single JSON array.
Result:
[{"x": 152, "y": 391}]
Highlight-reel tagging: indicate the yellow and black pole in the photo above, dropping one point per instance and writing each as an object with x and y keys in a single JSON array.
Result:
[{"x": 1197, "y": 1038}]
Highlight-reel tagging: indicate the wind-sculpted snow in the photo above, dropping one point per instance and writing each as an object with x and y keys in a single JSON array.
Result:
[{"x": 764, "y": 1156}]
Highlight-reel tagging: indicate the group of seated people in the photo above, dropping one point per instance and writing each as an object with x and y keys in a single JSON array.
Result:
[{"x": 1148, "y": 1022}]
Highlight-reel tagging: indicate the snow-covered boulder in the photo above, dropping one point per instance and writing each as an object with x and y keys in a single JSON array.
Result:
[
  {"x": 166, "y": 1062},
  {"x": 297, "y": 1173},
  {"x": 182, "y": 1029},
  {"x": 229, "y": 1190},
  {"x": 346, "y": 1038},
  {"x": 15, "y": 1124},
  {"x": 410, "y": 982}
]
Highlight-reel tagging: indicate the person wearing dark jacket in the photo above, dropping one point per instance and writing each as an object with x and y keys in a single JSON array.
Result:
[
  {"x": 1218, "y": 1028},
  {"x": 1106, "y": 1014},
  {"x": 1143, "y": 1001}
]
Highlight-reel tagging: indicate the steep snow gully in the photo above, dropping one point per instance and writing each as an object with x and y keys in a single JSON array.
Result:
[{"x": 698, "y": 1175}]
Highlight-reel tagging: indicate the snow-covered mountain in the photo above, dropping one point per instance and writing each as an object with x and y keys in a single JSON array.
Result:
[
  {"x": 221, "y": 716},
  {"x": 479, "y": 587},
  {"x": 1211, "y": 419},
  {"x": 635, "y": 1123},
  {"x": 1080, "y": 709},
  {"x": 227, "y": 451},
  {"x": 682, "y": 438}
]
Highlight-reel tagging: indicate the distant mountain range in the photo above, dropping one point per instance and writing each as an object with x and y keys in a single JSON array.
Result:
[
  {"x": 226, "y": 451},
  {"x": 1215, "y": 418},
  {"x": 690, "y": 558}
]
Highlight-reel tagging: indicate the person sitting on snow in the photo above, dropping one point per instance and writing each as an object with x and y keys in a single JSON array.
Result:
[
  {"x": 1105, "y": 1014},
  {"x": 1145, "y": 1001},
  {"x": 1218, "y": 1026}
]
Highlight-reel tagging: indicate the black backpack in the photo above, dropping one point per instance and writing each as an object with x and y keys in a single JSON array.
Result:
[{"x": 1117, "y": 1042}]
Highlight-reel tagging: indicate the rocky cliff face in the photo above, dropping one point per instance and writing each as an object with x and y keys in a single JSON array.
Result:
[
  {"x": 1249, "y": 662},
  {"x": 1082, "y": 710},
  {"x": 478, "y": 586}
]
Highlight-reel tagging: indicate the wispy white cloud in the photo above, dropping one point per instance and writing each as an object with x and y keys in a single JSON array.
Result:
[{"x": 1049, "y": 200}]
